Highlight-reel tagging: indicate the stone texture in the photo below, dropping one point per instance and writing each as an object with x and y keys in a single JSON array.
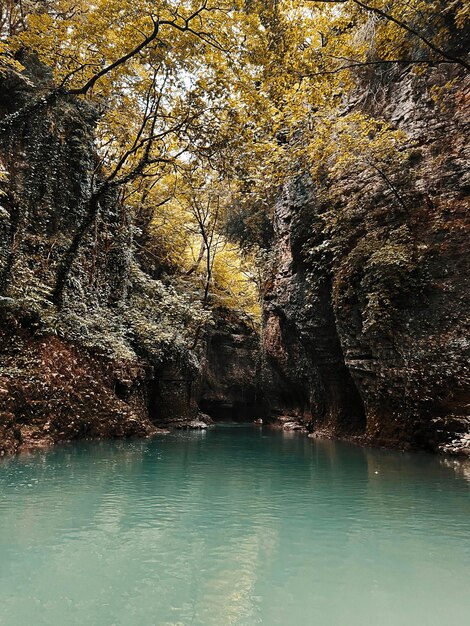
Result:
[
  {"x": 304, "y": 371},
  {"x": 229, "y": 384},
  {"x": 366, "y": 312},
  {"x": 58, "y": 384},
  {"x": 83, "y": 374}
]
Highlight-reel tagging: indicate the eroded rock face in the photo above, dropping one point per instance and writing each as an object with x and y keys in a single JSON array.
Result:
[
  {"x": 87, "y": 370},
  {"x": 52, "y": 390},
  {"x": 47, "y": 149},
  {"x": 366, "y": 309},
  {"x": 304, "y": 371},
  {"x": 229, "y": 386},
  {"x": 67, "y": 382}
]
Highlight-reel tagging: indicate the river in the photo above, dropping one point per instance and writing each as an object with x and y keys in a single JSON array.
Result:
[{"x": 238, "y": 525}]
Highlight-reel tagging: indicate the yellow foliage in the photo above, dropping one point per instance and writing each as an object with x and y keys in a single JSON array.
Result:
[
  {"x": 210, "y": 104},
  {"x": 235, "y": 282}
]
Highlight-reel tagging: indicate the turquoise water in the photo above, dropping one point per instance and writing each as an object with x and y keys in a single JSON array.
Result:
[{"x": 234, "y": 526}]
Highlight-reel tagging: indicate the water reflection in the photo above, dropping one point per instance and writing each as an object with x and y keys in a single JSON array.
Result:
[
  {"x": 460, "y": 466},
  {"x": 237, "y": 526}
]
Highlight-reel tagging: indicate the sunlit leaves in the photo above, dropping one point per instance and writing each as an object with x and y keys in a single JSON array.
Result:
[{"x": 218, "y": 102}]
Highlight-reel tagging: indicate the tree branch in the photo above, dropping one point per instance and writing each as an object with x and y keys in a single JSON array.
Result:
[
  {"x": 112, "y": 66},
  {"x": 371, "y": 9}
]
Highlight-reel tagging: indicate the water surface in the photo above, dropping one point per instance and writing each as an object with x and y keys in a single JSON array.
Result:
[{"x": 234, "y": 526}]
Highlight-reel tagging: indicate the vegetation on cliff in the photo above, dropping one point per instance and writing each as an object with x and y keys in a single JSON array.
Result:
[{"x": 144, "y": 145}]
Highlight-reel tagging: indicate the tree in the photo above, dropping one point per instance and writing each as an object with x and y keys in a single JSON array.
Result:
[
  {"x": 425, "y": 21},
  {"x": 247, "y": 93},
  {"x": 168, "y": 87}
]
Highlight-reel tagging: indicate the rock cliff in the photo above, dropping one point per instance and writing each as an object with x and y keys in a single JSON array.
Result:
[
  {"x": 365, "y": 330},
  {"x": 58, "y": 378},
  {"x": 229, "y": 387},
  {"x": 366, "y": 307},
  {"x": 112, "y": 360}
]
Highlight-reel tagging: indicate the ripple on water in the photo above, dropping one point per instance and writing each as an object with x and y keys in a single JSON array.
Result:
[{"x": 238, "y": 526}]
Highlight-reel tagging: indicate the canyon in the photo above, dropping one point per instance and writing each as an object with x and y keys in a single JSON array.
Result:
[{"x": 365, "y": 293}]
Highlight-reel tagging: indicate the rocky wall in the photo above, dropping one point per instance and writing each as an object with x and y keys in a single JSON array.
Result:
[
  {"x": 81, "y": 371},
  {"x": 229, "y": 386},
  {"x": 366, "y": 305}
]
